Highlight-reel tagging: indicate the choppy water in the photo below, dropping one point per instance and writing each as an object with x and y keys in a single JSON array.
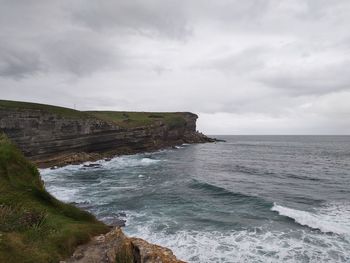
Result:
[{"x": 251, "y": 199}]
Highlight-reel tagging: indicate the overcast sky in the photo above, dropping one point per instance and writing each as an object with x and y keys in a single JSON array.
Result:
[{"x": 245, "y": 67}]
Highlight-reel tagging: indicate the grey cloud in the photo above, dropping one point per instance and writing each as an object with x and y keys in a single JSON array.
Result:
[
  {"x": 242, "y": 62},
  {"x": 17, "y": 62},
  {"x": 264, "y": 58},
  {"x": 151, "y": 18},
  {"x": 79, "y": 53},
  {"x": 318, "y": 80}
]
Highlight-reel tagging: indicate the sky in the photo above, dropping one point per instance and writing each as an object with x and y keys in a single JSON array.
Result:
[{"x": 245, "y": 67}]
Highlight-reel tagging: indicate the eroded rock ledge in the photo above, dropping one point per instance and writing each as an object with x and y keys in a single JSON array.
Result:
[
  {"x": 50, "y": 135},
  {"x": 117, "y": 248}
]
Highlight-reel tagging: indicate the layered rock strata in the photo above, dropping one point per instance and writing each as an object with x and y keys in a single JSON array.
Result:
[{"x": 49, "y": 138}]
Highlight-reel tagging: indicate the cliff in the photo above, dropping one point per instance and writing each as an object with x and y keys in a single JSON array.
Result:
[
  {"x": 36, "y": 227},
  {"x": 116, "y": 247},
  {"x": 50, "y": 135}
]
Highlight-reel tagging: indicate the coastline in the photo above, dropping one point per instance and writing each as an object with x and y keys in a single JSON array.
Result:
[
  {"x": 80, "y": 236},
  {"x": 50, "y": 136},
  {"x": 61, "y": 160},
  {"x": 55, "y": 136}
]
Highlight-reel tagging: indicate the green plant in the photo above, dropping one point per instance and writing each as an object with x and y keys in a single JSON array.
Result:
[{"x": 35, "y": 226}]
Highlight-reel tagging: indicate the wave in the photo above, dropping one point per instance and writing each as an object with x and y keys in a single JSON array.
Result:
[
  {"x": 263, "y": 171},
  {"x": 129, "y": 161},
  {"x": 300, "y": 177},
  {"x": 115, "y": 163},
  {"x": 334, "y": 218},
  {"x": 63, "y": 193},
  {"x": 149, "y": 161},
  {"x": 254, "y": 245},
  {"x": 222, "y": 192}
]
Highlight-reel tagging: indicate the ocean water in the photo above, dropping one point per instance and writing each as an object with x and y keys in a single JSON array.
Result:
[{"x": 250, "y": 199}]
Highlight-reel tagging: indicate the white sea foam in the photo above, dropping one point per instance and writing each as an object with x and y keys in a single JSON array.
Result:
[
  {"x": 63, "y": 193},
  {"x": 149, "y": 161},
  {"x": 128, "y": 161},
  {"x": 257, "y": 245},
  {"x": 333, "y": 218},
  {"x": 49, "y": 171},
  {"x": 119, "y": 162}
]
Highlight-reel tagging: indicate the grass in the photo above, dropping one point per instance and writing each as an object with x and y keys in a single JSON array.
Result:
[
  {"x": 137, "y": 119},
  {"x": 122, "y": 118},
  {"x": 64, "y": 112},
  {"x": 34, "y": 226}
]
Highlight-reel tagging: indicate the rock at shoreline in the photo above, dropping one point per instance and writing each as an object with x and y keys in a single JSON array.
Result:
[
  {"x": 92, "y": 165},
  {"x": 117, "y": 222},
  {"x": 116, "y": 247}
]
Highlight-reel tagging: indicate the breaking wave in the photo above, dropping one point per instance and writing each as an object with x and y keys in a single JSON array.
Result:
[
  {"x": 334, "y": 218},
  {"x": 254, "y": 245}
]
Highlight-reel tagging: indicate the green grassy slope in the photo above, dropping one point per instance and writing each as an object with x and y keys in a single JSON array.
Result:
[
  {"x": 34, "y": 226},
  {"x": 64, "y": 112},
  {"x": 122, "y": 118},
  {"x": 137, "y": 119}
]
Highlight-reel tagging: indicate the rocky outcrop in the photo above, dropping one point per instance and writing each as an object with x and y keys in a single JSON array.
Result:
[
  {"x": 50, "y": 137},
  {"x": 116, "y": 247}
]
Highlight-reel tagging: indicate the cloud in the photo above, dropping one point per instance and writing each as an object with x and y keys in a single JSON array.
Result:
[
  {"x": 154, "y": 18},
  {"x": 80, "y": 53},
  {"x": 18, "y": 62},
  {"x": 266, "y": 66},
  {"x": 302, "y": 80},
  {"x": 242, "y": 62}
]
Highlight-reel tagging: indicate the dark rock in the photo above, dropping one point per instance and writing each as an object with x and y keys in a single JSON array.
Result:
[
  {"x": 218, "y": 140},
  {"x": 117, "y": 222},
  {"x": 121, "y": 214},
  {"x": 92, "y": 165}
]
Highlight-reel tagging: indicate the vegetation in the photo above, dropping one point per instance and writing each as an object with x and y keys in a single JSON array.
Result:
[
  {"x": 34, "y": 226},
  {"x": 64, "y": 112},
  {"x": 122, "y": 118},
  {"x": 137, "y": 119}
]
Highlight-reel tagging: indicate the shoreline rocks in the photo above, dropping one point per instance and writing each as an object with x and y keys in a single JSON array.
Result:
[{"x": 115, "y": 246}]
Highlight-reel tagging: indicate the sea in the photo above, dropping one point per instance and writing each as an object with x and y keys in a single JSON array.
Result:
[{"x": 249, "y": 199}]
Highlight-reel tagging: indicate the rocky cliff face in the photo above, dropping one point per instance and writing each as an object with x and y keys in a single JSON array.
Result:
[
  {"x": 36, "y": 227},
  {"x": 50, "y": 137},
  {"x": 116, "y": 247}
]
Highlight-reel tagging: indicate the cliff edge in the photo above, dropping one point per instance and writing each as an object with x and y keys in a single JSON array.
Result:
[
  {"x": 50, "y": 135},
  {"x": 36, "y": 227},
  {"x": 116, "y": 247}
]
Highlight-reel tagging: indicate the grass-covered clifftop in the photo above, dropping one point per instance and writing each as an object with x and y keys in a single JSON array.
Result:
[
  {"x": 62, "y": 111},
  {"x": 125, "y": 119},
  {"x": 50, "y": 135},
  {"x": 129, "y": 119},
  {"x": 34, "y": 226}
]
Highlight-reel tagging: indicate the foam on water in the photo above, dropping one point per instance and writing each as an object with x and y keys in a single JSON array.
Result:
[
  {"x": 179, "y": 147},
  {"x": 64, "y": 194},
  {"x": 213, "y": 202},
  {"x": 148, "y": 161},
  {"x": 333, "y": 218},
  {"x": 254, "y": 245},
  {"x": 114, "y": 163}
]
